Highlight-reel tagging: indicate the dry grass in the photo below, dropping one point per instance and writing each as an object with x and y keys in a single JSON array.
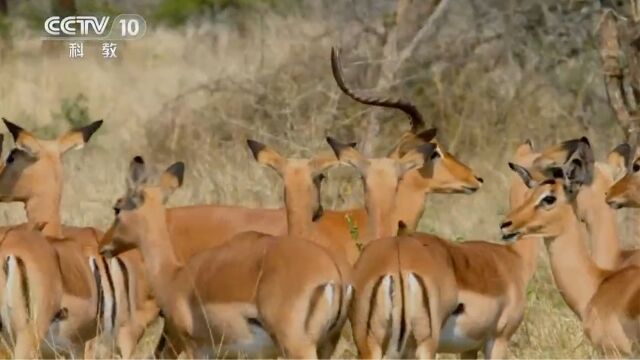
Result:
[{"x": 194, "y": 94}]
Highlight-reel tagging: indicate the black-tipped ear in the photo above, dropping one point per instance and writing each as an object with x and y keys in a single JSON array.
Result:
[
  {"x": 529, "y": 143},
  {"x": 624, "y": 150},
  {"x": 14, "y": 129},
  {"x": 255, "y": 147},
  {"x": 89, "y": 130},
  {"x": 427, "y": 150},
  {"x": 177, "y": 170},
  {"x": 427, "y": 135},
  {"x": 338, "y": 146},
  {"x": 136, "y": 171},
  {"x": 585, "y": 140},
  {"x": 524, "y": 174}
]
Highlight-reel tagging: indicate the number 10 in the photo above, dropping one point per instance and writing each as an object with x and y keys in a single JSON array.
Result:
[{"x": 129, "y": 27}]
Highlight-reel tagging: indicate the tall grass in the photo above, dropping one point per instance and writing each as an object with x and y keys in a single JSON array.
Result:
[{"x": 195, "y": 93}]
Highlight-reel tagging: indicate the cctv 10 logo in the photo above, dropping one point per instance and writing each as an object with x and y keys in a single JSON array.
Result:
[{"x": 88, "y": 27}]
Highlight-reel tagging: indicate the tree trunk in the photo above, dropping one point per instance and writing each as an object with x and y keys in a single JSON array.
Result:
[
  {"x": 65, "y": 7},
  {"x": 4, "y": 8}
]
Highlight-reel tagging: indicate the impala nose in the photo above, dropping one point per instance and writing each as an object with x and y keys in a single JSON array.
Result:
[
  {"x": 505, "y": 225},
  {"x": 480, "y": 180}
]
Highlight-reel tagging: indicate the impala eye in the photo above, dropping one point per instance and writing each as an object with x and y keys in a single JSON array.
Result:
[
  {"x": 548, "y": 200},
  {"x": 11, "y": 158},
  {"x": 636, "y": 167}
]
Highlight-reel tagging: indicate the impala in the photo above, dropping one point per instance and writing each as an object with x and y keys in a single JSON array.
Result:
[
  {"x": 190, "y": 226},
  {"x": 605, "y": 301},
  {"x": 257, "y": 294},
  {"x": 32, "y": 174}
]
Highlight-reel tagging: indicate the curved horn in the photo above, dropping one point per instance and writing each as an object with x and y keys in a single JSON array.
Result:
[{"x": 417, "y": 122}]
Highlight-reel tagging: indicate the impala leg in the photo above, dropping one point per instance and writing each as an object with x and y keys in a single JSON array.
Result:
[
  {"x": 427, "y": 349},
  {"x": 26, "y": 345},
  {"x": 372, "y": 350},
  {"x": 496, "y": 348},
  {"x": 126, "y": 341},
  {"x": 471, "y": 354},
  {"x": 301, "y": 351}
]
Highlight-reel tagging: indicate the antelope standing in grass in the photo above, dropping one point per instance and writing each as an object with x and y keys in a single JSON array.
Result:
[
  {"x": 30, "y": 287},
  {"x": 607, "y": 302},
  {"x": 488, "y": 280},
  {"x": 32, "y": 174},
  {"x": 256, "y": 295},
  {"x": 601, "y": 220},
  {"x": 190, "y": 226}
]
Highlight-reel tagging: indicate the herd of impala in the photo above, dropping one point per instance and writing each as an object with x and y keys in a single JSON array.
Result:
[{"x": 234, "y": 281}]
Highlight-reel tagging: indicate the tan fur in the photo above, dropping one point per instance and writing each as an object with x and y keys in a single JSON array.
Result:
[
  {"x": 20, "y": 325},
  {"x": 405, "y": 286},
  {"x": 605, "y": 301},
  {"x": 22, "y": 178},
  {"x": 211, "y": 298},
  {"x": 599, "y": 218}
]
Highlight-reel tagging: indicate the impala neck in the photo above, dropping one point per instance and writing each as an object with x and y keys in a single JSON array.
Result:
[
  {"x": 409, "y": 203},
  {"x": 574, "y": 271},
  {"x": 380, "y": 210},
  {"x": 45, "y": 209},
  {"x": 160, "y": 261},
  {"x": 601, "y": 222},
  {"x": 528, "y": 247},
  {"x": 299, "y": 215}
]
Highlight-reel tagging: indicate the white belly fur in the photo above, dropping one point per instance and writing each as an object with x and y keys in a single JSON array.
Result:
[{"x": 479, "y": 318}]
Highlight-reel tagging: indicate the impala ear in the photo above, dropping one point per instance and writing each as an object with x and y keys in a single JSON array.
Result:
[
  {"x": 267, "y": 156},
  {"x": 580, "y": 163},
  {"x": 75, "y": 139},
  {"x": 172, "y": 179},
  {"x": 346, "y": 152},
  {"x": 137, "y": 173},
  {"x": 416, "y": 158},
  {"x": 24, "y": 140},
  {"x": 524, "y": 174},
  {"x": 620, "y": 158},
  {"x": 427, "y": 135}
]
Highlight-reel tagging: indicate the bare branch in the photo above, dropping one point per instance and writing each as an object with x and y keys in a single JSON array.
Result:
[{"x": 610, "y": 53}]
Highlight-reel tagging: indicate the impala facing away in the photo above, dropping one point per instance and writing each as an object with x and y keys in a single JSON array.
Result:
[
  {"x": 30, "y": 289},
  {"x": 607, "y": 302},
  {"x": 32, "y": 174},
  {"x": 489, "y": 280},
  {"x": 257, "y": 295}
]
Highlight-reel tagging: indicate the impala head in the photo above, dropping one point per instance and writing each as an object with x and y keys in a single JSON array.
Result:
[
  {"x": 302, "y": 177},
  {"x": 141, "y": 209},
  {"x": 547, "y": 206},
  {"x": 625, "y": 191},
  {"x": 34, "y": 166},
  {"x": 382, "y": 173},
  {"x": 561, "y": 154},
  {"x": 445, "y": 174}
]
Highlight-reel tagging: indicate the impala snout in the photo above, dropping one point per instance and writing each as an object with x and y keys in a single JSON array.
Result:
[{"x": 508, "y": 233}]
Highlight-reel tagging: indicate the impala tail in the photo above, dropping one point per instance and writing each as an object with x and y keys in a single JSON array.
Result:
[{"x": 400, "y": 308}]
